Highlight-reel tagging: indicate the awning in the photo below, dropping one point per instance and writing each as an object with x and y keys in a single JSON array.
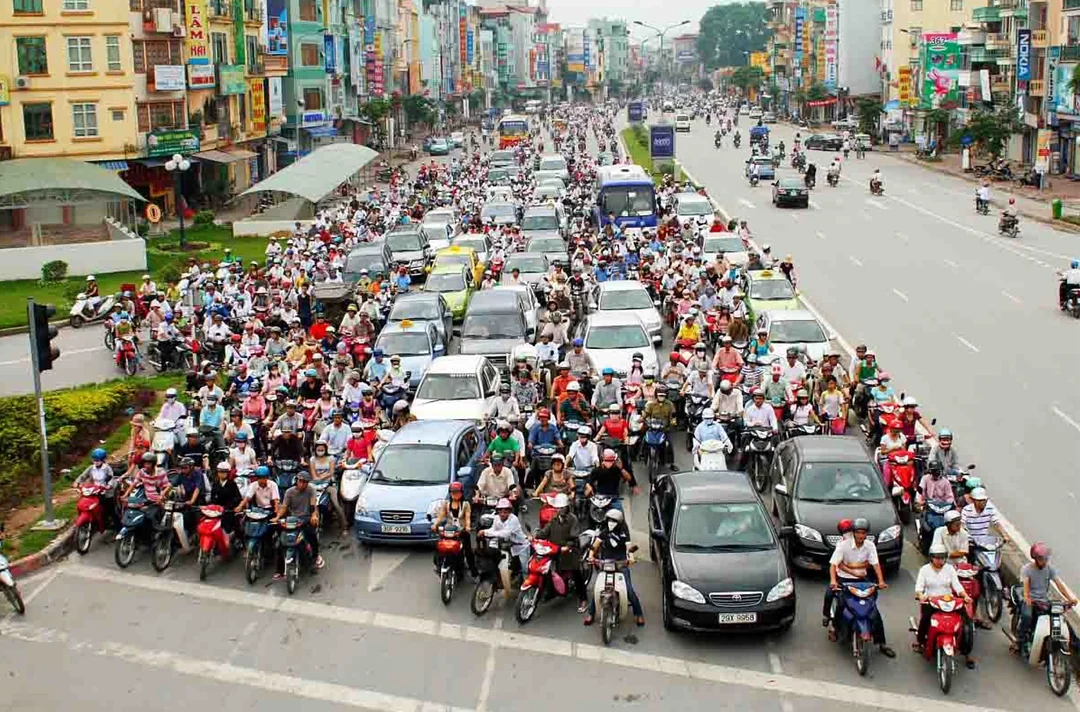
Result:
[
  {"x": 117, "y": 166},
  {"x": 155, "y": 161},
  {"x": 26, "y": 182},
  {"x": 319, "y": 173},
  {"x": 321, "y": 131},
  {"x": 231, "y": 156}
]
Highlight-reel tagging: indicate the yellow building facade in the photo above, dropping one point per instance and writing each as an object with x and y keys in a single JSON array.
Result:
[{"x": 66, "y": 80}]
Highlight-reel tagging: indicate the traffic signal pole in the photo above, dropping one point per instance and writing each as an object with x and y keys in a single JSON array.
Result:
[{"x": 38, "y": 319}]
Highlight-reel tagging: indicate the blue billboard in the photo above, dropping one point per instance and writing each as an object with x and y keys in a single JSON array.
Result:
[
  {"x": 634, "y": 113},
  {"x": 1023, "y": 55},
  {"x": 662, "y": 141}
]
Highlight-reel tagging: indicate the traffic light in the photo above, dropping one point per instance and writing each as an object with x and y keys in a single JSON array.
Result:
[{"x": 42, "y": 333}]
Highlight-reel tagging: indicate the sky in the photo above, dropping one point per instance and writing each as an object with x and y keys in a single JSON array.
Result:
[{"x": 655, "y": 12}]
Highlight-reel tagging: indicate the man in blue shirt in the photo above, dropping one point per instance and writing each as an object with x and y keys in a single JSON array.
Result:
[
  {"x": 543, "y": 432},
  {"x": 212, "y": 417},
  {"x": 402, "y": 280},
  {"x": 709, "y": 429},
  {"x": 376, "y": 368}
]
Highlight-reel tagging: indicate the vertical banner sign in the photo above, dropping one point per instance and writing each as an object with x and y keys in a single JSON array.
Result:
[
  {"x": 1052, "y": 56},
  {"x": 462, "y": 34},
  {"x": 329, "y": 54},
  {"x": 799, "y": 21},
  {"x": 356, "y": 59},
  {"x": 585, "y": 51},
  {"x": 1023, "y": 55},
  {"x": 941, "y": 64},
  {"x": 238, "y": 31},
  {"x": 904, "y": 86},
  {"x": 277, "y": 28},
  {"x": 277, "y": 96},
  {"x": 198, "y": 33},
  {"x": 258, "y": 106},
  {"x": 469, "y": 46},
  {"x": 1042, "y": 150},
  {"x": 831, "y": 37},
  {"x": 662, "y": 141}
]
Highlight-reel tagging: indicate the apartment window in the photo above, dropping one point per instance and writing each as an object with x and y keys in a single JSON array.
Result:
[
  {"x": 312, "y": 99},
  {"x": 309, "y": 55},
  {"x": 117, "y": 114},
  {"x": 112, "y": 53},
  {"x": 160, "y": 115},
  {"x": 252, "y": 45},
  {"x": 916, "y": 5},
  {"x": 79, "y": 55},
  {"x": 37, "y": 122},
  {"x": 32, "y": 56},
  {"x": 76, "y": 4},
  {"x": 28, "y": 6},
  {"x": 84, "y": 120},
  {"x": 956, "y": 5},
  {"x": 219, "y": 44},
  {"x": 308, "y": 10}
]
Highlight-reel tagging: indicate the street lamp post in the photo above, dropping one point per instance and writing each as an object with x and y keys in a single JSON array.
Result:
[
  {"x": 661, "y": 34},
  {"x": 176, "y": 166}
]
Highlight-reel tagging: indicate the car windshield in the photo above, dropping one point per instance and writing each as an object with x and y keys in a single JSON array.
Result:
[
  {"x": 546, "y": 244},
  {"x": 839, "y": 482},
  {"x": 628, "y": 336},
  {"x": 723, "y": 244},
  {"x": 547, "y": 191},
  {"x": 438, "y": 217},
  {"x": 372, "y": 262},
  {"x": 771, "y": 289},
  {"x": 763, "y": 162},
  {"x": 540, "y": 222},
  {"x": 505, "y": 325},
  {"x": 449, "y": 386},
  {"x": 501, "y": 158},
  {"x": 501, "y": 210},
  {"x": 791, "y": 184},
  {"x": 435, "y": 232},
  {"x": 527, "y": 265},
  {"x": 616, "y": 299},
  {"x": 404, "y": 344},
  {"x": 419, "y": 309},
  {"x": 553, "y": 164},
  {"x": 445, "y": 282},
  {"x": 404, "y": 242},
  {"x": 419, "y": 465},
  {"x": 627, "y": 200},
  {"x": 695, "y": 207},
  {"x": 461, "y": 259},
  {"x": 476, "y": 243},
  {"x": 796, "y": 332},
  {"x": 498, "y": 174},
  {"x": 722, "y": 526}
]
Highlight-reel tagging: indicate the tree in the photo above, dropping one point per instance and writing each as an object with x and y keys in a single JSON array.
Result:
[
  {"x": 727, "y": 31},
  {"x": 817, "y": 92},
  {"x": 746, "y": 77},
  {"x": 418, "y": 109},
  {"x": 375, "y": 110},
  {"x": 869, "y": 110},
  {"x": 705, "y": 84},
  {"x": 1074, "y": 82},
  {"x": 992, "y": 129}
]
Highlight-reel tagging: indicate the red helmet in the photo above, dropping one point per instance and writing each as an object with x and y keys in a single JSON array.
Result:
[
  {"x": 675, "y": 358},
  {"x": 1039, "y": 550},
  {"x": 457, "y": 487},
  {"x": 844, "y": 526},
  {"x": 543, "y": 413}
]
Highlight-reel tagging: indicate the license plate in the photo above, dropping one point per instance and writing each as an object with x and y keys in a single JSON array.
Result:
[
  {"x": 738, "y": 618},
  {"x": 396, "y": 529}
]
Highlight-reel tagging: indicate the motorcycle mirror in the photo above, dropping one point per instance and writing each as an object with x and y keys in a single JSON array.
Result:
[
  {"x": 933, "y": 421},
  {"x": 971, "y": 466},
  {"x": 780, "y": 490}
]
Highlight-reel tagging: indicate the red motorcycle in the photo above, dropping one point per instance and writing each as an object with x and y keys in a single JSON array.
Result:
[
  {"x": 942, "y": 637},
  {"x": 541, "y": 577},
  {"x": 127, "y": 355},
  {"x": 547, "y": 507},
  {"x": 969, "y": 579},
  {"x": 359, "y": 348},
  {"x": 212, "y": 538},
  {"x": 904, "y": 482},
  {"x": 92, "y": 516}
]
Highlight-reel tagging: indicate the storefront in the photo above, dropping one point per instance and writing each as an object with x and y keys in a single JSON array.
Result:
[{"x": 227, "y": 172}]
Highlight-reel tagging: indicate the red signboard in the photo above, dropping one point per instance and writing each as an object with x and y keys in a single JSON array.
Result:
[{"x": 822, "y": 102}]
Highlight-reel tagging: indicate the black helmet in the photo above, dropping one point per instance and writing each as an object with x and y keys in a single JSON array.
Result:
[
  {"x": 934, "y": 467},
  {"x": 861, "y": 523},
  {"x": 187, "y": 462}
]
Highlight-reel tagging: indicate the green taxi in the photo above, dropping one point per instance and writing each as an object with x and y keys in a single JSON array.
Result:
[
  {"x": 456, "y": 285},
  {"x": 769, "y": 290},
  {"x": 458, "y": 255}
]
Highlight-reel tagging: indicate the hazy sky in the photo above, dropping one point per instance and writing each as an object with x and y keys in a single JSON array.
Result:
[{"x": 655, "y": 12}]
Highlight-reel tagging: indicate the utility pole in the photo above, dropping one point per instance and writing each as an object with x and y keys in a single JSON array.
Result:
[{"x": 42, "y": 355}]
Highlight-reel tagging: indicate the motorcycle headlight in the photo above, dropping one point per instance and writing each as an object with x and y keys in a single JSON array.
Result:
[
  {"x": 781, "y": 590},
  {"x": 807, "y": 533},
  {"x": 686, "y": 592},
  {"x": 889, "y": 534},
  {"x": 361, "y": 507}
]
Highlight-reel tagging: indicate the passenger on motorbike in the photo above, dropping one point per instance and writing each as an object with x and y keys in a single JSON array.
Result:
[
  {"x": 237, "y": 425},
  {"x": 321, "y": 467},
  {"x": 708, "y": 429},
  {"x": 891, "y": 441},
  {"x": 663, "y": 409},
  {"x": 299, "y": 501},
  {"x": 504, "y": 407},
  {"x": 953, "y": 537},
  {"x": 613, "y": 544},
  {"x": 1070, "y": 279},
  {"x": 851, "y": 561},
  {"x": 574, "y": 406},
  {"x": 937, "y": 578},
  {"x": 607, "y": 392},
  {"x": 1037, "y": 577},
  {"x": 456, "y": 511},
  {"x": 362, "y": 441},
  {"x": 801, "y": 412},
  {"x": 507, "y": 526}
]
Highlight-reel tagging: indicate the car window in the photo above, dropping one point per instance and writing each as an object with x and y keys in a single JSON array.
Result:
[
  {"x": 466, "y": 449},
  {"x": 629, "y": 336},
  {"x": 412, "y": 465},
  {"x": 667, "y": 507},
  {"x": 839, "y": 482},
  {"x": 722, "y": 526}
]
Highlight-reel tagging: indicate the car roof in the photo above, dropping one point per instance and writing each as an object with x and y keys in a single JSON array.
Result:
[
  {"x": 430, "y": 432},
  {"x": 416, "y": 297},
  {"x": 369, "y": 250},
  {"x": 411, "y": 227},
  {"x": 396, "y": 327},
  {"x": 516, "y": 256},
  {"x": 621, "y": 285},
  {"x": 456, "y": 250},
  {"x": 498, "y": 204},
  {"x": 791, "y": 181},
  {"x": 546, "y": 156},
  {"x": 614, "y": 318},
  {"x": 489, "y": 301},
  {"x": 543, "y": 208},
  {"x": 458, "y": 363},
  {"x": 765, "y": 274},
  {"x": 468, "y": 236},
  {"x": 790, "y": 315},
  {"x": 713, "y": 487},
  {"x": 831, "y": 448},
  {"x": 691, "y": 198}
]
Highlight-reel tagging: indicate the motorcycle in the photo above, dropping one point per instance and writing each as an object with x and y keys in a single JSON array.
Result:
[
  {"x": 127, "y": 356},
  {"x": 1048, "y": 642},
  {"x": 904, "y": 483},
  {"x": 178, "y": 360},
  {"x": 256, "y": 526},
  {"x": 832, "y": 178},
  {"x": 285, "y": 474},
  {"x": 136, "y": 523},
  {"x": 754, "y": 180},
  {"x": 1072, "y": 302},
  {"x": 543, "y": 581},
  {"x": 798, "y": 162},
  {"x": 7, "y": 581},
  {"x": 933, "y": 517},
  {"x": 941, "y": 639},
  {"x": 167, "y": 531},
  {"x": 91, "y": 516},
  {"x": 759, "y": 451},
  {"x": 1009, "y": 227},
  {"x": 694, "y": 407},
  {"x": 496, "y": 566},
  {"x": 598, "y": 505},
  {"x": 656, "y": 440},
  {"x": 212, "y": 538},
  {"x": 163, "y": 440},
  {"x": 609, "y": 592},
  {"x": 982, "y": 207},
  {"x": 450, "y": 566},
  {"x": 711, "y": 456},
  {"x": 295, "y": 547},
  {"x": 876, "y": 188},
  {"x": 853, "y": 610},
  {"x": 969, "y": 579},
  {"x": 83, "y": 313},
  {"x": 737, "y": 140},
  {"x": 987, "y": 550}
]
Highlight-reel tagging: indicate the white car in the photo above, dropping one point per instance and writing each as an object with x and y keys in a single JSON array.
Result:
[
  {"x": 682, "y": 122},
  {"x": 456, "y": 388},
  {"x": 795, "y": 327},
  {"x": 554, "y": 164},
  {"x": 768, "y": 118},
  {"x": 691, "y": 206},
  {"x": 713, "y": 244},
  {"x": 440, "y": 227},
  {"x": 457, "y": 139},
  {"x": 755, "y": 113},
  {"x": 621, "y": 297},
  {"x": 612, "y": 338}
]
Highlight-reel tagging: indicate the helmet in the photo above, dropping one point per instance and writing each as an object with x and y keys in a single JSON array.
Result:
[
  {"x": 503, "y": 503},
  {"x": 311, "y": 373},
  {"x": 861, "y": 523},
  {"x": 149, "y": 457},
  {"x": 802, "y": 393},
  {"x": 561, "y": 501},
  {"x": 98, "y": 455},
  {"x": 674, "y": 357},
  {"x": 189, "y": 432},
  {"x": 952, "y": 516},
  {"x": 223, "y": 467},
  {"x": 1075, "y": 264},
  {"x": 934, "y": 467},
  {"x": 708, "y": 414},
  {"x": 457, "y": 487},
  {"x": 573, "y": 387},
  {"x": 614, "y": 408},
  {"x": 609, "y": 455},
  {"x": 578, "y": 342},
  {"x": 884, "y": 376},
  {"x": 356, "y": 427},
  {"x": 614, "y": 515},
  {"x": 262, "y": 471},
  {"x": 910, "y": 401},
  {"x": 543, "y": 413},
  {"x": 608, "y": 372},
  {"x": 1039, "y": 550},
  {"x": 979, "y": 494},
  {"x": 637, "y": 356},
  {"x": 939, "y": 549},
  {"x": 758, "y": 392},
  {"x": 401, "y": 406},
  {"x": 844, "y": 526},
  {"x": 699, "y": 346},
  {"x": 725, "y": 386},
  {"x": 504, "y": 388},
  {"x": 584, "y": 430},
  {"x": 944, "y": 434},
  {"x": 241, "y": 437}
]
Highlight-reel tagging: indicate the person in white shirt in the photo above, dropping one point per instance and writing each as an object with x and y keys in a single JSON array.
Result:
[
  {"x": 583, "y": 453},
  {"x": 758, "y": 414},
  {"x": 936, "y": 579},
  {"x": 982, "y": 195},
  {"x": 851, "y": 560},
  {"x": 507, "y": 526}
]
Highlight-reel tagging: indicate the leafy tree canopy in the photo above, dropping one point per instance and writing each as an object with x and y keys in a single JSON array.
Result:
[{"x": 727, "y": 31}]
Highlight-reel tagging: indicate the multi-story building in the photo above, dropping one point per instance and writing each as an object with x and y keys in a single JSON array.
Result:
[
  {"x": 1062, "y": 115},
  {"x": 613, "y": 47},
  {"x": 68, "y": 81}
]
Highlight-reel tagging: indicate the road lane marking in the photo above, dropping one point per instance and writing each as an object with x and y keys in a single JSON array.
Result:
[
  {"x": 1061, "y": 414},
  {"x": 952, "y": 264},
  {"x": 517, "y": 641},
  {"x": 821, "y": 236},
  {"x": 746, "y": 203},
  {"x": 29, "y": 597},
  {"x": 855, "y": 261},
  {"x": 489, "y": 670},
  {"x": 63, "y": 352},
  {"x": 876, "y": 204},
  {"x": 900, "y": 294},
  {"x": 227, "y": 673},
  {"x": 903, "y": 237},
  {"x": 1011, "y": 297},
  {"x": 814, "y": 205},
  {"x": 967, "y": 343}
]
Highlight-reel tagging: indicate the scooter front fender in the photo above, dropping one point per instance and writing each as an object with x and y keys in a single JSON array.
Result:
[
  {"x": 531, "y": 581},
  {"x": 7, "y": 579},
  {"x": 83, "y": 518}
]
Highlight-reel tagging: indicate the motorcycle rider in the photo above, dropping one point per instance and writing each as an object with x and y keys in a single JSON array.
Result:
[
  {"x": 709, "y": 429},
  {"x": 299, "y": 501},
  {"x": 1036, "y": 577},
  {"x": 851, "y": 560},
  {"x": 562, "y": 530},
  {"x": 935, "y": 487},
  {"x": 1009, "y": 216},
  {"x": 877, "y": 182},
  {"x": 574, "y": 406},
  {"x": 212, "y": 420},
  {"x": 613, "y": 544},
  {"x": 982, "y": 196},
  {"x": 1070, "y": 279},
  {"x": 937, "y": 578},
  {"x": 505, "y": 407},
  {"x": 457, "y": 511},
  {"x": 608, "y": 392},
  {"x": 956, "y": 541},
  {"x": 663, "y": 409},
  {"x": 980, "y": 515},
  {"x": 508, "y": 526},
  {"x": 758, "y": 414}
]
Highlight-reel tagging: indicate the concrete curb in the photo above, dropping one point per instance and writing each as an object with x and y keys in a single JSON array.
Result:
[{"x": 60, "y": 547}]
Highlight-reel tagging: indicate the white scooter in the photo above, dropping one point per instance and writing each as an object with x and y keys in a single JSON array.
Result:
[
  {"x": 82, "y": 312},
  {"x": 7, "y": 582},
  {"x": 609, "y": 592},
  {"x": 164, "y": 440},
  {"x": 712, "y": 455},
  {"x": 352, "y": 478}
]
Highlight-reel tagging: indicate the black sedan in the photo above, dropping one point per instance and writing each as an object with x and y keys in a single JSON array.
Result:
[
  {"x": 790, "y": 191},
  {"x": 823, "y": 479},
  {"x": 722, "y": 566},
  {"x": 824, "y": 142}
]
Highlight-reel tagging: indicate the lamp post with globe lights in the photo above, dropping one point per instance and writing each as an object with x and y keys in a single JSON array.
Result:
[
  {"x": 660, "y": 33},
  {"x": 176, "y": 166}
]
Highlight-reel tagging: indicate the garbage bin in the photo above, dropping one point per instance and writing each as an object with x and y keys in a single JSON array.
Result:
[{"x": 1055, "y": 208}]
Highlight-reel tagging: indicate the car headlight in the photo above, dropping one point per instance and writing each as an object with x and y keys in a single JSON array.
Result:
[
  {"x": 686, "y": 592},
  {"x": 417, "y": 263},
  {"x": 889, "y": 534},
  {"x": 781, "y": 590},
  {"x": 807, "y": 533},
  {"x": 361, "y": 507}
]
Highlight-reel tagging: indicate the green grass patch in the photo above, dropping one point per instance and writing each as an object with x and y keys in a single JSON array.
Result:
[
  {"x": 160, "y": 262},
  {"x": 31, "y": 541},
  {"x": 636, "y": 138}
]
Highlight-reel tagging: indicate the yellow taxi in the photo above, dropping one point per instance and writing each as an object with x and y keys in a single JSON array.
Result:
[
  {"x": 769, "y": 290},
  {"x": 461, "y": 256}
]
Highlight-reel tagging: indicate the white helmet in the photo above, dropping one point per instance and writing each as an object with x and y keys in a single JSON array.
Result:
[
  {"x": 614, "y": 515},
  {"x": 708, "y": 414},
  {"x": 938, "y": 549},
  {"x": 910, "y": 401},
  {"x": 561, "y": 501}
]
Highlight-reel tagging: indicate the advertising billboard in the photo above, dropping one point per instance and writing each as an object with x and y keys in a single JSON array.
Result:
[
  {"x": 198, "y": 31},
  {"x": 1023, "y": 55},
  {"x": 277, "y": 23},
  {"x": 941, "y": 71},
  {"x": 634, "y": 113},
  {"x": 662, "y": 141}
]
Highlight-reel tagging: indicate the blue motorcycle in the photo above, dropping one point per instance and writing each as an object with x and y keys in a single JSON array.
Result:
[
  {"x": 656, "y": 442},
  {"x": 256, "y": 527},
  {"x": 391, "y": 393},
  {"x": 285, "y": 474},
  {"x": 296, "y": 550},
  {"x": 933, "y": 516},
  {"x": 854, "y": 609},
  {"x": 137, "y": 522}
]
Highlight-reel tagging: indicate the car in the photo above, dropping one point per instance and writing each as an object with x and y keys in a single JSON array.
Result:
[
  {"x": 795, "y": 327},
  {"x": 514, "y": 172},
  {"x": 690, "y": 206},
  {"x": 548, "y": 191},
  {"x": 790, "y": 191},
  {"x": 819, "y": 480},
  {"x": 682, "y": 122},
  {"x": 440, "y": 225},
  {"x": 409, "y": 246},
  {"x": 722, "y": 561},
  {"x": 768, "y": 118},
  {"x": 865, "y": 141},
  {"x": 499, "y": 213},
  {"x": 427, "y": 143},
  {"x": 766, "y": 169},
  {"x": 550, "y": 178},
  {"x": 417, "y": 343},
  {"x": 478, "y": 241},
  {"x": 460, "y": 386},
  {"x": 532, "y": 265},
  {"x": 543, "y": 220},
  {"x": 410, "y": 479},
  {"x": 726, "y": 244},
  {"x": 493, "y": 326},
  {"x": 456, "y": 255},
  {"x": 455, "y": 284},
  {"x": 530, "y": 306},
  {"x": 849, "y": 123},
  {"x": 552, "y": 246},
  {"x": 824, "y": 142},
  {"x": 457, "y": 139},
  {"x": 500, "y": 193},
  {"x": 612, "y": 338},
  {"x": 554, "y": 163},
  {"x": 769, "y": 291},
  {"x": 499, "y": 176},
  {"x": 376, "y": 259},
  {"x": 439, "y": 147},
  {"x": 744, "y": 110},
  {"x": 502, "y": 157},
  {"x": 421, "y": 308},
  {"x": 628, "y": 297}
]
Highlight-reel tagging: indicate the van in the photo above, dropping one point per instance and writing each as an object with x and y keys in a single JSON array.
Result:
[
  {"x": 682, "y": 122},
  {"x": 376, "y": 259},
  {"x": 493, "y": 326}
]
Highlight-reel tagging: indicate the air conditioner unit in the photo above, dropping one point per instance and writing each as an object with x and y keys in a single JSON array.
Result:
[
  {"x": 178, "y": 31},
  {"x": 22, "y": 82}
]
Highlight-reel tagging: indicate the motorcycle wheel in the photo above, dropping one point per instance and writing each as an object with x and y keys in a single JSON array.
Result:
[
  {"x": 292, "y": 577},
  {"x": 967, "y": 637},
  {"x": 904, "y": 510},
  {"x": 607, "y": 624},
  {"x": 83, "y": 537},
  {"x": 161, "y": 552},
  {"x": 858, "y": 650},
  {"x": 760, "y": 476},
  {"x": 447, "y": 580},
  {"x": 125, "y": 551},
  {"x": 254, "y": 560},
  {"x": 483, "y": 595},
  {"x": 76, "y": 321},
  {"x": 15, "y": 599},
  {"x": 110, "y": 340},
  {"x": 130, "y": 367},
  {"x": 1058, "y": 674},
  {"x": 526, "y": 605},
  {"x": 992, "y": 600},
  {"x": 204, "y": 564},
  {"x": 944, "y": 671},
  {"x": 654, "y": 463},
  {"x": 689, "y": 440}
]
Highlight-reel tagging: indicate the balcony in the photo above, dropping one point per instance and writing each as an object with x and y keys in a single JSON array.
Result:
[
  {"x": 1037, "y": 87},
  {"x": 981, "y": 55},
  {"x": 220, "y": 9},
  {"x": 1069, "y": 53},
  {"x": 256, "y": 68},
  {"x": 1000, "y": 83},
  {"x": 253, "y": 15},
  {"x": 997, "y": 40},
  {"x": 276, "y": 65},
  {"x": 1040, "y": 39},
  {"x": 988, "y": 14},
  {"x": 971, "y": 37}
]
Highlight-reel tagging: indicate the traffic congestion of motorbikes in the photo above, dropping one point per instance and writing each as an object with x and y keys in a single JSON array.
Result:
[{"x": 287, "y": 404}]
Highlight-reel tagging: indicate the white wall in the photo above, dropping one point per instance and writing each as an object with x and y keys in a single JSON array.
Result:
[
  {"x": 859, "y": 41},
  {"x": 121, "y": 254}
]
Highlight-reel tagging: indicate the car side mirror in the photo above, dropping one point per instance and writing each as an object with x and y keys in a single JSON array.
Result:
[
  {"x": 464, "y": 472},
  {"x": 658, "y": 534},
  {"x": 781, "y": 490}
]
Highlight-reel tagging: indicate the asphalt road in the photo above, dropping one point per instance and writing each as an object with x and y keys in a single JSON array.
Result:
[
  {"x": 83, "y": 359},
  {"x": 965, "y": 320}
]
